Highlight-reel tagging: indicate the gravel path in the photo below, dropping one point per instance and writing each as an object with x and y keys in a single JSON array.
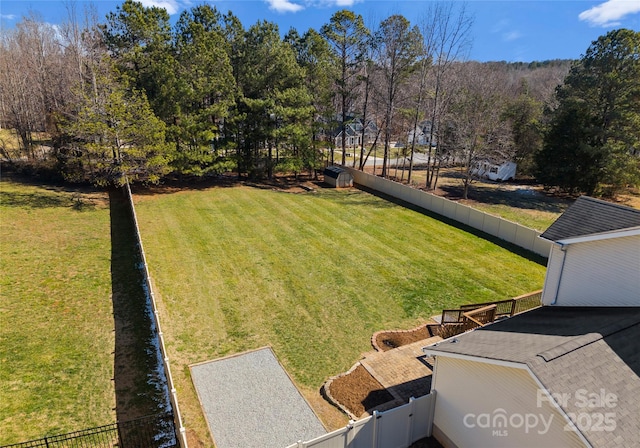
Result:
[{"x": 250, "y": 401}]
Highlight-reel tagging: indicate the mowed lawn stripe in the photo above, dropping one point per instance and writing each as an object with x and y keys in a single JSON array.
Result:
[
  {"x": 313, "y": 275},
  {"x": 322, "y": 290},
  {"x": 424, "y": 246}
]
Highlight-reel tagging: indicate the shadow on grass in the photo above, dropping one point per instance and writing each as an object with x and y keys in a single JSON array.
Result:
[
  {"x": 283, "y": 184},
  {"x": 140, "y": 389},
  {"x": 177, "y": 184},
  {"x": 531, "y": 256},
  {"x": 228, "y": 180},
  {"x": 521, "y": 198},
  {"x": 33, "y": 200},
  {"x": 48, "y": 195}
]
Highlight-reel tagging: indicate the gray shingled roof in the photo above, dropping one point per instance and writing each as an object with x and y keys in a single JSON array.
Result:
[
  {"x": 333, "y": 171},
  {"x": 587, "y": 216},
  {"x": 571, "y": 349}
]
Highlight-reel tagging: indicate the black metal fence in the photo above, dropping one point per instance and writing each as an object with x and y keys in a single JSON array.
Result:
[{"x": 155, "y": 431}]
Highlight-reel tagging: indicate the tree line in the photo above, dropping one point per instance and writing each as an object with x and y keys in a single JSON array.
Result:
[{"x": 136, "y": 95}]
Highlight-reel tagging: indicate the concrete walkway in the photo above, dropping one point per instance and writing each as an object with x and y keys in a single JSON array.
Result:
[{"x": 404, "y": 371}]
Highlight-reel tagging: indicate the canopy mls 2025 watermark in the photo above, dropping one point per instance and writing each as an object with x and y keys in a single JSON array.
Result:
[{"x": 593, "y": 411}]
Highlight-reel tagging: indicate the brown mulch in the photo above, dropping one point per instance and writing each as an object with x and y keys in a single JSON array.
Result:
[
  {"x": 389, "y": 340},
  {"x": 358, "y": 391}
]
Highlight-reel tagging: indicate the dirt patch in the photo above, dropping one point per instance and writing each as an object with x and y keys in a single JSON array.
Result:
[
  {"x": 331, "y": 417},
  {"x": 393, "y": 339},
  {"x": 358, "y": 391},
  {"x": 193, "y": 440}
]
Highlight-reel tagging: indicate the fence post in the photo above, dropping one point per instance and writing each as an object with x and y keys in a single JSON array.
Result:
[
  {"x": 409, "y": 440},
  {"x": 119, "y": 431},
  {"x": 349, "y": 435},
  {"x": 376, "y": 416},
  {"x": 431, "y": 412}
]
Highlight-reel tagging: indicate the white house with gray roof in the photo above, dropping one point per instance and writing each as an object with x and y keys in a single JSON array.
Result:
[
  {"x": 595, "y": 256},
  {"x": 550, "y": 377},
  {"x": 353, "y": 134},
  {"x": 564, "y": 375}
]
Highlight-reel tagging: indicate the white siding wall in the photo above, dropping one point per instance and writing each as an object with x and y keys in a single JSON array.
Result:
[
  {"x": 486, "y": 391},
  {"x": 554, "y": 267},
  {"x": 596, "y": 273}
]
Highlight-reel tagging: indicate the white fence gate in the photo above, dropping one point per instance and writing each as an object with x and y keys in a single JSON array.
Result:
[{"x": 395, "y": 428}]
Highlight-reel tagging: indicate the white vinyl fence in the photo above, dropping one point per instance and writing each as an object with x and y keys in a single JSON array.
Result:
[
  {"x": 395, "y": 428},
  {"x": 173, "y": 396},
  {"x": 501, "y": 228}
]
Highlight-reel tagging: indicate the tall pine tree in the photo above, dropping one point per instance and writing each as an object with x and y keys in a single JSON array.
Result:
[{"x": 593, "y": 142}]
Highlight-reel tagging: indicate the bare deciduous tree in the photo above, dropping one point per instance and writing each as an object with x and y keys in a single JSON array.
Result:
[
  {"x": 23, "y": 73},
  {"x": 449, "y": 36},
  {"x": 475, "y": 131}
]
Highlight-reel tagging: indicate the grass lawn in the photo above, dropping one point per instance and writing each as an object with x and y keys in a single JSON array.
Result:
[
  {"x": 56, "y": 338},
  {"x": 313, "y": 275}
]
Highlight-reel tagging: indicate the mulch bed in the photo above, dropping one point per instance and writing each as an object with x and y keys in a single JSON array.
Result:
[
  {"x": 359, "y": 392},
  {"x": 392, "y": 339}
]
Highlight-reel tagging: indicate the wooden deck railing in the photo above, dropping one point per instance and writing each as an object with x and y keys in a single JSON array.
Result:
[
  {"x": 503, "y": 308},
  {"x": 479, "y": 317},
  {"x": 475, "y": 315}
]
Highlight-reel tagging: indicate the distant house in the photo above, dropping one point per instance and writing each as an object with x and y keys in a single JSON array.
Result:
[
  {"x": 595, "y": 257},
  {"x": 496, "y": 171},
  {"x": 353, "y": 132},
  {"x": 422, "y": 134},
  {"x": 565, "y": 374}
]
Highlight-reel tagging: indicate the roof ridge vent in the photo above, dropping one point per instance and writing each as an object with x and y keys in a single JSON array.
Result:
[
  {"x": 589, "y": 338},
  {"x": 570, "y": 346}
]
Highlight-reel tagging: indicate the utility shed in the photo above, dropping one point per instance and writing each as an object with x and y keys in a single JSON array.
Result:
[{"x": 338, "y": 177}]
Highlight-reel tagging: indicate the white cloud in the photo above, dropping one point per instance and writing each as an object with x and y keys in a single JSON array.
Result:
[
  {"x": 171, "y": 6},
  {"x": 500, "y": 25},
  {"x": 511, "y": 36},
  {"x": 331, "y": 3},
  {"x": 284, "y": 6},
  {"x": 345, "y": 2},
  {"x": 8, "y": 16},
  {"x": 610, "y": 12},
  {"x": 504, "y": 28}
]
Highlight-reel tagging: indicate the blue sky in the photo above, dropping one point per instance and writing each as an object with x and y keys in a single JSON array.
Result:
[{"x": 509, "y": 30}]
